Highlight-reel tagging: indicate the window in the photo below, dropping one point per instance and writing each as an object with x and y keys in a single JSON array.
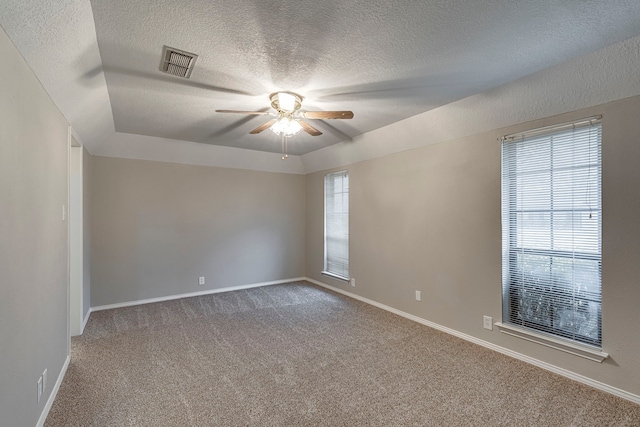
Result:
[
  {"x": 336, "y": 224},
  {"x": 552, "y": 231}
]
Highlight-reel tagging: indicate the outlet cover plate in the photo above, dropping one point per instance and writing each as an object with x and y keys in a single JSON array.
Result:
[
  {"x": 487, "y": 322},
  {"x": 201, "y": 280}
]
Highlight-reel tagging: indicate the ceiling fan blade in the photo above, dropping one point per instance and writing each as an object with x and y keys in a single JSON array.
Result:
[
  {"x": 264, "y": 126},
  {"x": 324, "y": 115},
  {"x": 261, "y": 113},
  {"x": 309, "y": 129}
]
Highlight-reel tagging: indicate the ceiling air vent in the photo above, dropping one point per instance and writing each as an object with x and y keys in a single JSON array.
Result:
[{"x": 177, "y": 62}]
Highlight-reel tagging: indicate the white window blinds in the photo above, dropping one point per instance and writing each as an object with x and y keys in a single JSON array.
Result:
[
  {"x": 336, "y": 224},
  {"x": 552, "y": 231}
]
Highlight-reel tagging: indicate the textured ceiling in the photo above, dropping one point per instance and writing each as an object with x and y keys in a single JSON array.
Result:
[{"x": 384, "y": 60}]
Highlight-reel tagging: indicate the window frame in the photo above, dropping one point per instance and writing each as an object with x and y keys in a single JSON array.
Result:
[
  {"x": 327, "y": 265},
  {"x": 553, "y": 336}
]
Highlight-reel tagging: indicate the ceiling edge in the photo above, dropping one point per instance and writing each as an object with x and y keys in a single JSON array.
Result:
[
  {"x": 596, "y": 78},
  {"x": 141, "y": 147}
]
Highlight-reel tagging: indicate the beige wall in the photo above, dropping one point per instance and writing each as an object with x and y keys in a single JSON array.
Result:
[
  {"x": 33, "y": 240},
  {"x": 429, "y": 219},
  {"x": 156, "y": 227}
]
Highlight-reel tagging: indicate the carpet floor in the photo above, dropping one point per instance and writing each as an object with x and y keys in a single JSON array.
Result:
[{"x": 299, "y": 355}]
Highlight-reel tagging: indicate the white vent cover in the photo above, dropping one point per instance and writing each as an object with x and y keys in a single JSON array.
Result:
[{"x": 177, "y": 62}]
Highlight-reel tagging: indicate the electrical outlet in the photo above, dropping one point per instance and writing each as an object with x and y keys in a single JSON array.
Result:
[
  {"x": 44, "y": 381},
  {"x": 353, "y": 282},
  {"x": 39, "y": 388},
  {"x": 418, "y": 296},
  {"x": 487, "y": 322},
  {"x": 201, "y": 280}
]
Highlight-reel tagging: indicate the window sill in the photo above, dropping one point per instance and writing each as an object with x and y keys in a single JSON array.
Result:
[
  {"x": 335, "y": 276},
  {"x": 576, "y": 349}
]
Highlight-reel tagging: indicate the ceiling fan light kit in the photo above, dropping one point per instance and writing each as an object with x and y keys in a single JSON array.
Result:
[
  {"x": 286, "y": 104},
  {"x": 286, "y": 126}
]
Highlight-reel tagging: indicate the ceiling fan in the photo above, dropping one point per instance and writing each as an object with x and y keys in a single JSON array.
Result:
[{"x": 287, "y": 118}]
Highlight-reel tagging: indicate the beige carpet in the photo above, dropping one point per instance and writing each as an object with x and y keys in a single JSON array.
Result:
[{"x": 298, "y": 355}]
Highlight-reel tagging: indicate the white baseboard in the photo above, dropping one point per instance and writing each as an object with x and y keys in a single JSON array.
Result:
[
  {"x": 193, "y": 294},
  {"x": 544, "y": 365},
  {"x": 54, "y": 393}
]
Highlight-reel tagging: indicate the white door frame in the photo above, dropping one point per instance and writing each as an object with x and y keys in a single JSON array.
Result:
[{"x": 76, "y": 324}]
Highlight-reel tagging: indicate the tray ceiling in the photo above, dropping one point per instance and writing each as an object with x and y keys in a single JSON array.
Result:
[{"x": 384, "y": 60}]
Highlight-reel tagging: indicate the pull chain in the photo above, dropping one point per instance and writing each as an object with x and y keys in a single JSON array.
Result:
[{"x": 284, "y": 146}]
